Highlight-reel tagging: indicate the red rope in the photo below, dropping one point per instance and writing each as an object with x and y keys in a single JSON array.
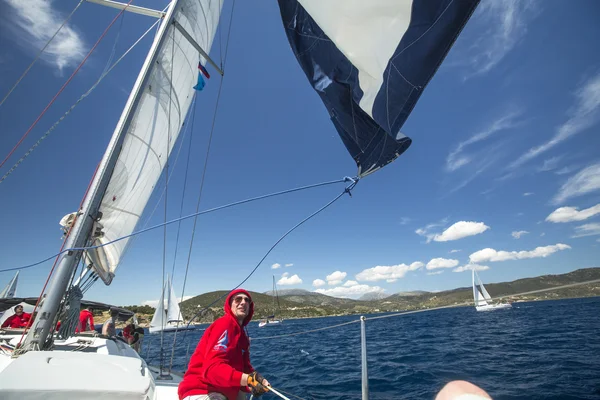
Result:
[{"x": 64, "y": 85}]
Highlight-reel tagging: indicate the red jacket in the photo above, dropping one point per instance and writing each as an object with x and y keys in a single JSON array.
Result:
[
  {"x": 221, "y": 357},
  {"x": 84, "y": 317},
  {"x": 17, "y": 321}
]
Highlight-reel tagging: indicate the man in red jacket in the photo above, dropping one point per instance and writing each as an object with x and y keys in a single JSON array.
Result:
[
  {"x": 18, "y": 320},
  {"x": 86, "y": 320},
  {"x": 220, "y": 367}
]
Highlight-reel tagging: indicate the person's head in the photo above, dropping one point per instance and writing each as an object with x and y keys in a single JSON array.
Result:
[
  {"x": 18, "y": 309},
  {"x": 239, "y": 304},
  {"x": 114, "y": 313}
]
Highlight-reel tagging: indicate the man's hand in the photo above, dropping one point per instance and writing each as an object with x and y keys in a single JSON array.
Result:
[{"x": 258, "y": 384}]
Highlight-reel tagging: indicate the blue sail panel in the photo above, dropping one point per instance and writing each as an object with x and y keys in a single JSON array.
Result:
[{"x": 370, "y": 61}]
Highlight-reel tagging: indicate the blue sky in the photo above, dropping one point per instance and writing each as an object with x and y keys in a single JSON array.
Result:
[{"x": 503, "y": 174}]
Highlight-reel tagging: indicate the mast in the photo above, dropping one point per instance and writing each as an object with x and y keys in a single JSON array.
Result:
[{"x": 37, "y": 337}]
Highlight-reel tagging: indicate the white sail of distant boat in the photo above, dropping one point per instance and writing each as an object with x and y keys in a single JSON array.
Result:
[
  {"x": 168, "y": 317},
  {"x": 272, "y": 320},
  {"x": 10, "y": 290},
  {"x": 482, "y": 299}
]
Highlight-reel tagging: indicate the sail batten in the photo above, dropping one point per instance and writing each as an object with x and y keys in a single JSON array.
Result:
[{"x": 156, "y": 120}]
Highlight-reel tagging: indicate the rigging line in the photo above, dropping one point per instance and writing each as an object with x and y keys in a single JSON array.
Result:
[
  {"x": 114, "y": 49},
  {"x": 164, "y": 260},
  {"x": 229, "y": 33},
  {"x": 178, "y": 230},
  {"x": 39, "y": 54},
  {"x": 210, "y": 210},
  {"x": 83, "y": 96},
  {"x": 288, "y": 393},
  {"x": 185, "y": 179},
  {"x": 204, "y": 169},
  {"x": 346, "y": 190},
  {"x": 303, "y": 332},
  {"x": 64, "y": 85}
]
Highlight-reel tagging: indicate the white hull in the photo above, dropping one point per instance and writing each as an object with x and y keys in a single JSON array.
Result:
[
  {"x": 492, "y": 307},
  {"x": 84, "y": 366},
  {"x": 269, "y": 323}
]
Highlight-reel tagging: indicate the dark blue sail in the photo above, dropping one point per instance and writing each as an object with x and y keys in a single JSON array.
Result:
[{"x": 370, "y": 61}]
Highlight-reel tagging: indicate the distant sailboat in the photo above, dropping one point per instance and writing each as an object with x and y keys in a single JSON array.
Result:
[
  {"x": 481, "y": 297},
  {"x": 168, "y": 319},
  {"x": 271, "y": 320},
  {"x": 9, "y": 292},
  {"x": 11, "y": 289}
]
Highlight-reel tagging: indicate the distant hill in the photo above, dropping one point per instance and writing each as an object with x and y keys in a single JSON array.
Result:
[
  {"x": 290, "y": 292},
  {"x": 413, "y": 293},
  {"x": 302, "y": 303},
  {"x": 373, "y": 296}
]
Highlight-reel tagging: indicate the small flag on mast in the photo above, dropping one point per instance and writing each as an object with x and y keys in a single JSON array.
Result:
[{"x": 201, "y": 82}]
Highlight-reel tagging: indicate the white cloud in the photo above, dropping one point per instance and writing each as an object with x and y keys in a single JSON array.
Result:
[
  {"x": 318, "y": 283},
  {"x": 289, "y": 280},
  {"x": 543, "y": 234},
  {"x": 457, "y": 158},
  {"x": 289, "y": 265},
  {"x": 585, "y": 181},
  {"x": 528, "y": 193},
  {"x": 35, "y": 21},
  {"x": 566, "y": 170},
  {"x": 461, "y": 229},
  {"x": 350, "y": 291},
  {"x": 550, "y": 164},
  {"x": 436, "y": 263},
  {"x": 435, "y": 272},
  {"x": 426, "y": 230},
  {"x": 587, "y": 230},
  {"x": 275, "y": 266},
  {"x": 501, "y": 25},
  {"x": 380, "y": 272},
  {"x": 569, "y": 214},
  {"x": 350, "y": 283},
  {"x": 583, "y": 115},
  {"x": 518, "y": 234},
  {"x": 154, "y": 303},
  {"x": 335, "y": 278},
  {"x": 494, "y": 255},
  {"x": 470, "y": 267},
  {"x": 404, "y": 220},
  {"x": 454, "y": 251}
]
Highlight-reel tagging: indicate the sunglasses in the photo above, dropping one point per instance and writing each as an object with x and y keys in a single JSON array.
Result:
[{"x": 239, "y": 299}]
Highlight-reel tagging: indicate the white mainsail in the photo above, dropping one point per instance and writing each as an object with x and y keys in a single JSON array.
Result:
[
  {"x": 159, "y": 318},
  {"x": 157, "y": 120},
  {"x": 173, "y": 312}
]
